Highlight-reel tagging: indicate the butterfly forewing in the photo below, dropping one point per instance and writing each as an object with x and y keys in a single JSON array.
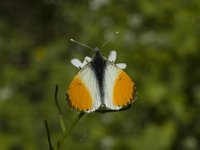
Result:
[
  {"x": 119, "y": 88},
  {"x": 83, "y": 93}
]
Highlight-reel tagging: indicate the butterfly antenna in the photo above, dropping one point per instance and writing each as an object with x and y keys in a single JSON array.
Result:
[
  {"x": 109, "y": 39},
  {"x": 72, "y": 40}
]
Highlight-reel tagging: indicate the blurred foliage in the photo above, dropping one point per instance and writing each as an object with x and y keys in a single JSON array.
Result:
[{"x": 159, "y": 41}]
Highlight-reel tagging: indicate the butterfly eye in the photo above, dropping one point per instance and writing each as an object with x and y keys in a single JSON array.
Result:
[{"x": 112, "y": 56}]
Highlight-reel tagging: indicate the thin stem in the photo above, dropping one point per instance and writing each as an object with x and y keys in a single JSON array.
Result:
[
  {"x": 48, "y": 135},
  {"x": 62, "y": 124},
  {"x": 56, "y": 100},
  {"x": 66, "y": 133}
]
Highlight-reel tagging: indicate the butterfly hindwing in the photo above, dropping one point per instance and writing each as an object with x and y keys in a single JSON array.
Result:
[{"x": 83, "y": 93}]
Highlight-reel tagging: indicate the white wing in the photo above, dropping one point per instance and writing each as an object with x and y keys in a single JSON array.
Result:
[
  {"x": 119, "y": 89},
  {"x": 83, "y": 93},
  {"x": 88, "y": 77},
  {"x": 111, "y": 73}
]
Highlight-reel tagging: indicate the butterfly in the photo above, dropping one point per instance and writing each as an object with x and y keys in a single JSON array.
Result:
[{"x": 100, "y": 84}]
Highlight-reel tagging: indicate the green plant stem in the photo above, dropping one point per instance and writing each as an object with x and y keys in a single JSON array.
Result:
[
  {"x": 48, "y": 135},
  {"x": 67, "y": 132},
  {"x": 62, "y": 124}
]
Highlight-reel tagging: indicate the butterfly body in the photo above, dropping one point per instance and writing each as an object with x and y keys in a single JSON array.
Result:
[
  {"x": 100, "y": 84},
  {"x": 98, "y": 65}
]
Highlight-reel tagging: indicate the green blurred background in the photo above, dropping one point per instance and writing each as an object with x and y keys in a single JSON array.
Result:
[{"x": 159, "y": 41}]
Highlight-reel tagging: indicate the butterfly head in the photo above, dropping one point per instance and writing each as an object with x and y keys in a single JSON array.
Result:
[{"x": 98, "y": 54}]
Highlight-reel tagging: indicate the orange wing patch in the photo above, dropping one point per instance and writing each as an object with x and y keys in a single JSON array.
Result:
[
  {"x": 79, "y": 96},
  {"x": 123, "y": 90}
]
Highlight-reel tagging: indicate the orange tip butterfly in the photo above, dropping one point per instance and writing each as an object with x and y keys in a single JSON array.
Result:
[{"x": 100, "y": 84}]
